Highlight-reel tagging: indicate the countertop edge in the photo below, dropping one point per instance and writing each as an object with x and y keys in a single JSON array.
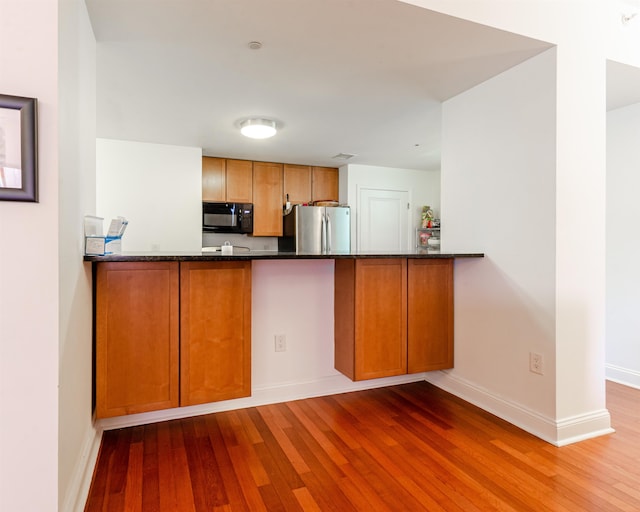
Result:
[{"x": 269, "y": 255}]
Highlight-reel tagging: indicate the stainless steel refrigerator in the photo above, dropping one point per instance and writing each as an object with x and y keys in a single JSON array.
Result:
[{"x": 319, "y": 229}]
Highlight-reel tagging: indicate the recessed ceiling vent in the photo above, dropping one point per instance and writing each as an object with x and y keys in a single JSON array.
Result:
[{"x": 343, "y": 156}]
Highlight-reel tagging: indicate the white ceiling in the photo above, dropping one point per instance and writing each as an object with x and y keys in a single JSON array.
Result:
[{"x": 365, "y": 77}]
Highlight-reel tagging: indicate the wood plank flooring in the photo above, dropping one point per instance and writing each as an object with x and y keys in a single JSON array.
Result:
[{"x": 411, "y": 447}]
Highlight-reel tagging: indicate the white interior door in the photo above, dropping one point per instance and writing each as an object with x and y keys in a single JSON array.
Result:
[{"x": 383, "y": 220}]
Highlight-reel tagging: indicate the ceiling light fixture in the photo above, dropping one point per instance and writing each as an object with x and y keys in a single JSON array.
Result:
[{"x": 258, "y": 128}]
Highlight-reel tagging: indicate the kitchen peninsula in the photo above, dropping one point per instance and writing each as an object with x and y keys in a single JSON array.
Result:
[{"x": 175, "y": 330}]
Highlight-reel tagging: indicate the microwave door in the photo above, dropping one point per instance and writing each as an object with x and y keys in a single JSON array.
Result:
[{"x": 220, "y": 219}]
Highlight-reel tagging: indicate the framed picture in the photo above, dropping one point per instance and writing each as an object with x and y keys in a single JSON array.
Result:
[{"x": 18, "y": 149}]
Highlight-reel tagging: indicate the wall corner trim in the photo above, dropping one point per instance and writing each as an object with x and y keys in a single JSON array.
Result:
[
  {"x": 80, "y": 483},
  {"x": 556, "y": 432},
  {"x": 625, "y": 376}
]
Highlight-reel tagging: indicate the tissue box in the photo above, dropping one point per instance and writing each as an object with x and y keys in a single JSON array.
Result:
[
  {"x": 101, "y": 245},
  {"x": 113, "y": 245},
  {"x": 94, "y": 245}
]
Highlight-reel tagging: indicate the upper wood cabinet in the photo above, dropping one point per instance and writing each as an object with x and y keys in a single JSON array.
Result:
[
  {"x": 239, "y": 181},
  {"x": 137, "y": 336},
  {"x": 267, "y": 199},
  {"x": 215, "y": 331},
  {"x": 297, "y": 184},
  {"x": 324, "y": 184},
  {"x": 266, "y": 185},
  {"x": 213, "y": 179},
  {"x": 227, "y": 180}
]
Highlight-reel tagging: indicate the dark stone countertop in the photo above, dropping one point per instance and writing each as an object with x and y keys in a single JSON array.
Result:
[{"x": 271, "y": 255}]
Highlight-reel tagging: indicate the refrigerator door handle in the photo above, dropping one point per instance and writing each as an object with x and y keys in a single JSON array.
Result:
[
  {"x": 328, "y": 237},
  {"x": 323, "y": 235}
]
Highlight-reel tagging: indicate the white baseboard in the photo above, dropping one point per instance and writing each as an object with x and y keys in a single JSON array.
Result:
[
  {"x": 621, "y": 375},
  {"x": 78, "y": 490},
  {"x": 282, "y": 392},
  {"x": 556, "y": 432}
]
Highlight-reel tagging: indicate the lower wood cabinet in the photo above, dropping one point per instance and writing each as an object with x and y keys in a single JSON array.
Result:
[
  {"x": 215, "y": 331},
  {"x": 137, "y": 337},
  {"x": 393, "y": 316},
  {"x": 430, "y": 314},
  {"x": 370, "y": 317},
  {"x": 170, "y": 334}
]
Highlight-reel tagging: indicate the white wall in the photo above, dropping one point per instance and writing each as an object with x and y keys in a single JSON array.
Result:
[
  {"x": 423, "y": 187},
  {"x": 498, "y": 186},
  {"x": 78, "y": 440},
  {"x": 623, "y": 245},
  {"x": 157, "y": 187},
  {"x": 29, "y": 283}
]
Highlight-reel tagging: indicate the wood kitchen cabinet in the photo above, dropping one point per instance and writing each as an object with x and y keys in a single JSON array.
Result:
[
  {"x": 430, "y": 314},
  {"x": 214, "y": 179},
  {"x": 267, "y": 199},
  {"x": 297, "y": 183},
  {"x": 137, "y": 336},
  {"x": 324, "y": 184},
  {"x": 306, "y": 184},
  {"x": 215, "y": 331},
  {"x": 239, "y": 181},
  {"x": 370, "y": 317},
  {"x": 393, "y": 316},
  {"x": 227, "y": 180}
]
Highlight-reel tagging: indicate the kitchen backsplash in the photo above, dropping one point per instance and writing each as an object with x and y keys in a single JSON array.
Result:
[{"x": 261, "y": 243}]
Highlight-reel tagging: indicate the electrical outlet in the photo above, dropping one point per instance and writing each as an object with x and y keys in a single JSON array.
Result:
[
  {"x": 281, "y": 342},
  {"x": 536, "y": 363}
]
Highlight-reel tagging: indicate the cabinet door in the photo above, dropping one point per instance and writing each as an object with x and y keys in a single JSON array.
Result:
[
  {"x": 136, "y": 337},
  {"x": 324, "y": 184},
  {"x": 215, "y": 331},
  {"x": 213, "y": 179},
  {"x": 430, "y": 315},
  {"x": 239, "y": 181},
  {"x": 267, "y": 199},
  {"x": 380, "y": 318},
  {"x": 344, "y": 303},
  {"x": 297, "y": 183}
]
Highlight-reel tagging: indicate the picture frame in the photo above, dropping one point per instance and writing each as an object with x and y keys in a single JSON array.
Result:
[{"x": 18, "y": 149}]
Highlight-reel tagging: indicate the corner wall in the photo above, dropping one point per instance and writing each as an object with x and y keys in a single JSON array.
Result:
[
  {"x": 623, "y": 245},
  {"x": 498, "y": 195},
  {"x": 78, "y": 440}
]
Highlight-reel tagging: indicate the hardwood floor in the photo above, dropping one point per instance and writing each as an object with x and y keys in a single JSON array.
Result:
[{"x": 402, "y": 448}]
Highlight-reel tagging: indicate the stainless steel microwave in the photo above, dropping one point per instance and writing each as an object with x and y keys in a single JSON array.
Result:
[{"x": 227, "y": 217}]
